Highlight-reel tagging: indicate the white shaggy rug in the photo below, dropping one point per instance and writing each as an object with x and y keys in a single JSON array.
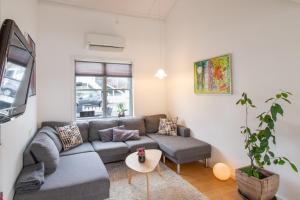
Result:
[{"x": 169, "y": 186}]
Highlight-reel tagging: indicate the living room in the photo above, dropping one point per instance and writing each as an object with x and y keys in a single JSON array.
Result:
[{"x": 151, "y": 56}]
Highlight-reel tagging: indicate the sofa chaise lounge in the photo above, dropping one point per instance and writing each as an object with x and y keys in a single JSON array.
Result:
[{"x": 81, "y": 173}]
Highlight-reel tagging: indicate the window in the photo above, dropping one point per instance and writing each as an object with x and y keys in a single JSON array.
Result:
[{"x": 101, "y": 87}]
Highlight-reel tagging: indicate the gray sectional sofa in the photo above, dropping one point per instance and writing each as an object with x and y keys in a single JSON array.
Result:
[{"x": 81, "y": 173}]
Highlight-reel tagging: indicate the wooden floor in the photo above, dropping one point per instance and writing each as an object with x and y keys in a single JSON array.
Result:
[{"x": 203, "y": 179}]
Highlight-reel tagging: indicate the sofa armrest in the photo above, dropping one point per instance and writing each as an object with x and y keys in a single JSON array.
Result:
[{"x": 183, "y": 131}]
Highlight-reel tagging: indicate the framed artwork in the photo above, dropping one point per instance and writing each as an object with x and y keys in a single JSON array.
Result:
[
  {"x": 213, "y": 76},
  {"x": 32, "y": 87}
]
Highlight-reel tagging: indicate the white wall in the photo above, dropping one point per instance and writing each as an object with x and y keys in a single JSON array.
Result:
[
  {"x": 62, "y": 30},
  {"x": 263, "y": 37},
  {"x": 15, "y": 134}
]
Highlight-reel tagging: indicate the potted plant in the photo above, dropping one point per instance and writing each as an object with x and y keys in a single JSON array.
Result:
[
  {"x": 121, "y": 110},
  {"x": 254, "y": 181},
  {"x": 141, "y": 154}
]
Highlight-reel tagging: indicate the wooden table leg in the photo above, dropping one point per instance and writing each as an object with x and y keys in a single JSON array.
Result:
[
  {"x": 148, "y": 192},
  {"x": 158, "y": 169},
  {"x": 129, "y": 176}
]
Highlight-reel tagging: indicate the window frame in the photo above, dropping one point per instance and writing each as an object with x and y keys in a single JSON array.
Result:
[{"x": 104, "y": 90}]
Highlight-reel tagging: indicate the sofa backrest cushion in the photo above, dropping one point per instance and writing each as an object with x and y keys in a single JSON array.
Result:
[
  {"x": 28, "y": 158},
  {"x": 134, "y": 123},
  {"x": 52, "y": 133},
  {"x": 152, "y": 122},
  {"x": 95, "y": 126},
  {"x": 44, "y": 150},
  {"x": 83, "y": 127}
]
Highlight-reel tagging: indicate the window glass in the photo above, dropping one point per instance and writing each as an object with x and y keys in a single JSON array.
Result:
[
  {"x": 103, "y": 96},
  {"x": 89, "y": 101}
]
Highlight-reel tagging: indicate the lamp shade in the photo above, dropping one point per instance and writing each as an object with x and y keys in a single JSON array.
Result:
[
  {"x": 161, "y": 74},
  {"x": 221, "y": 171}
]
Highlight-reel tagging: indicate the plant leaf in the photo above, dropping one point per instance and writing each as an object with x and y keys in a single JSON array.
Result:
[
  {"x": 279, "y": 109},
  {"x": 294, "y": 167},
  {"x": 269, "y": 100},
  {"x": 274, "y": 112},
  {"x": 285, "y": 95},
  {"x": 271, "y": 154},
  {"x": 285, "y": 99}
]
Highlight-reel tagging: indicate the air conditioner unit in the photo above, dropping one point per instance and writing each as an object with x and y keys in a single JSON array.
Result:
[{"x": 101, "y": 42}]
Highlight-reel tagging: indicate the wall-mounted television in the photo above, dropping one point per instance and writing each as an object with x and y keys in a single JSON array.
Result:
[{"x": 17, "y": 59}]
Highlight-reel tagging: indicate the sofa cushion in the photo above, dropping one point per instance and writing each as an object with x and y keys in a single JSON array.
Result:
[
  {"x": 70, "y": 136},
  {"x": 52, "y": 133},
  {"x": 78, "y": 176},
  {"x": 134, "y": 123},
  {"x": 144, "y": 141},
  {"x": 44, "y": 150},
  {"x": 182, "y": 148},
  {"x": 95, "y": 126},
  {"x": 106, "y": 135},
  {"x": 28, "y": 158},
  {"x": 183, "y": 131},
  {"x": 152, "y": 122},
  {"x": 121, "y": 135},
  {"x": 83, "y": 148},
  {"x": 83, "y": 127},
  {"x": 110, "y": 151}
]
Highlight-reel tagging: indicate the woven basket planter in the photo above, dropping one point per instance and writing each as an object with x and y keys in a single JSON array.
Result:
[{"x": 258, "y": 189}]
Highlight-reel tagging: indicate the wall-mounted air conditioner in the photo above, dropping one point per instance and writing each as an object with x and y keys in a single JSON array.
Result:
[{"x": 101, "y": 42}]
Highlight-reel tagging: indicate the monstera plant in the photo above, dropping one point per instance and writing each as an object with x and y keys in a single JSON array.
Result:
[{"x": 253, "y": 179}]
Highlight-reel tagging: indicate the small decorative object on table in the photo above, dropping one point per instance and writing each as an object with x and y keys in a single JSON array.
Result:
[{"x": 141, "y": 154}]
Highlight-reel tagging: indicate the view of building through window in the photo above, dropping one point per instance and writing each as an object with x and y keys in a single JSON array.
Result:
[{"x": 99, "y": 95}]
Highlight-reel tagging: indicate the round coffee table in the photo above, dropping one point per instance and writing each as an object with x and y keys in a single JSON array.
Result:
[{"x": 151, "y": 163}]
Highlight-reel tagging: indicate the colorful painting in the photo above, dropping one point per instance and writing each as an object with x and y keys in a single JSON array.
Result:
[{"x": 213, "y": 76}]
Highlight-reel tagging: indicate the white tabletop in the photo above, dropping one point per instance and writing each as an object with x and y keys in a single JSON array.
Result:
[{"x": 152, "y": 159}]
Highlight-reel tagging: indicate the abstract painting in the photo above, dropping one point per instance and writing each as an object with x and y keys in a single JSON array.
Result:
[{"x": 213, "y": 76}]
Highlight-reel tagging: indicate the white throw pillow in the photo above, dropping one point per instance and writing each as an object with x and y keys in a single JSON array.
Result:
[
  {"x": 168, "y": 126},
  {"x": 70, "y": 136}
]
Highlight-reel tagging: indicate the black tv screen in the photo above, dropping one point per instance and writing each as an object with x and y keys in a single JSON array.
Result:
[{"x": 16, "y": 62}]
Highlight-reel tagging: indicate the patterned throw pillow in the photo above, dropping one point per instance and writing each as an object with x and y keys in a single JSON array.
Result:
[
  {"x": 168, "y": 127},
  {"x": 70, "y": 136}
]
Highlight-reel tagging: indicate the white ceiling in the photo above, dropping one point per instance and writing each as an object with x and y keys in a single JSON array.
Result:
[{"x": 137, "y": 8}]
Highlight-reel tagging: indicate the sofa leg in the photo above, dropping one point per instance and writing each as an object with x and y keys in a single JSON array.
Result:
[
  {"x": 164, "y": 159},
  {"x": 206, "y": 162},
  {"x": 178, "y": 168}
]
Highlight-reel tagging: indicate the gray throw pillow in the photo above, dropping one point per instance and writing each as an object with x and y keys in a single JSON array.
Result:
[
  {"x": 44, "y": 150},
  {"x": 121, "y": 135},
  {"x": 53, "y": 135},
  {"x": 106, "y": 135},
  {"x": 152, "y": 122}
]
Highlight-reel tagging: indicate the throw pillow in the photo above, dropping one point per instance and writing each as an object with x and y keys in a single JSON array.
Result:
[
  {"x": 168, "y": 127},
  {"x": 106, "y": 135},
  {"x": 152, "y": 122},
  {"x": 44, "y": 150},
  {"x": 121, "y": 135},
  {"x": 70, "y": 136}
]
